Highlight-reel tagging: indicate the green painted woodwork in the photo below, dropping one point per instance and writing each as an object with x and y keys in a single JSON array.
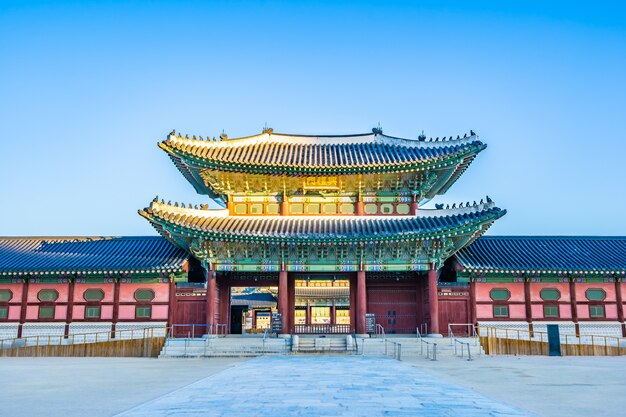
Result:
[
  {"x": 47, "y": 295},
  {"x": 596, "y": 311},
  {"x": 144, "y": 295},
  {"x": 550, "y": 311},
  {"x": 92, "y": 312},
  {"x": 500, "y": 294},
  {"x": 46, "y": 312},
  {"x": 143, "y": 312},
  {"x": 93, "y": 295},
  {"x": 6, "y": 295},
  {"x": 549, "y": 294},
  {"x": 501, "y": 311},
  {"x": 594, "y": 294}
]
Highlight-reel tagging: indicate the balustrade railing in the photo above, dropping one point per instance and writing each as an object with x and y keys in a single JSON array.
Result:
[{"x": 322, "y": 329}]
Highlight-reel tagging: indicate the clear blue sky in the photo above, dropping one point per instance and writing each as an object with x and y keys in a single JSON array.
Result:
[{"x": 88, "y": 88}]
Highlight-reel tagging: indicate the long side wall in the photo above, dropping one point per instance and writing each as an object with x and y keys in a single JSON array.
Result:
[
  {"x": 525, "y": 303},
  {"x": 28, "y": 315}
]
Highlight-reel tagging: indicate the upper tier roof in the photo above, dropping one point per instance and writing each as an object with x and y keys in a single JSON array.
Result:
[
  {"x": 69, "y": 255},
  {"x": 217, "y": 224},
  {"x": 545, "y": 254},
  {"x": 278, "y": 154}
]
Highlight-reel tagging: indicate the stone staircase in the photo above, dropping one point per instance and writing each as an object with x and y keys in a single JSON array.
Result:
[
  {"x": 412, "y": 347},
  {"x": 248, "y": 346},
  {"x": 224, "y": 347},
  {"x": 335, "y": 344}
]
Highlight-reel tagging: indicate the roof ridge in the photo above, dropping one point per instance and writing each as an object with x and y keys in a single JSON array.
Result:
[{"x": 546, "y": 237}]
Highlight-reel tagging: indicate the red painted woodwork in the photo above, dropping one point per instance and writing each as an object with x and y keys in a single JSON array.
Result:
[
  {"x": 433, "y": 301},
  {"x": 283, "y": 299},
  {"x": 361, "y": 302},
  {"x": 211, "y": 298},
  {"x": 454, "y": 310},
  {"x": 395, "y": 305}
]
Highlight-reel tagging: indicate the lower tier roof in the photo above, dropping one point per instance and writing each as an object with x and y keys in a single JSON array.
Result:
[
  {"x": 70, "y": 255},
  {"x": 545, "y": 254},
  {"x": 168, "y": 219},
  {"x": 34, "y": 255}
]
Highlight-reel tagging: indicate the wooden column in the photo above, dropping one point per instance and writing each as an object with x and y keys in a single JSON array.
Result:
[
  {"x": 284, "y": 206},
  {"x": 527, "y": 305},
  {"x": 572, "y": 295},
  {"x": 224, "y": 313},
  {"x": 352, "y": 302},
  {"x": 211, "y": 296},
  {"x": 361, "y": 302},
  {"x": 23, "y": 307},
  {"x": 70, "y": 308},
  {"x": 620, "y": 304},
  {"x": 360, "y": 209},
  {"x": 308, "y": 313},
  {"x": 116, "y": 306},
  {"x": 283, "y": 299},
  {"x": 433, "y": 299},
  {"x": 171, "y": 308},
  {"x": 414, "y": 205},
  {"x": 333, "y": 314},
  {"x": 472, "y": 291}
]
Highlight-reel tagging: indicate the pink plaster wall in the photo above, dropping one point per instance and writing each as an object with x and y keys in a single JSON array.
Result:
[
  {"x": 611, "y": 311},
  {"x": 79, "y": 290},
  {"x": 60, "y": 312},
  {"x": 159, "y": 312},
  {"x": 127, "y": 312},
  {"x": 14, "y": 312},
  {"x": 78, "y": 312},
  {"x": 535, "y": 290},
  {"x": 106, "y": 312},
  {"x": 516, "y": 289},
  {"x": 62, "y": 289},
  {"x": 582, "y": 310},
  {"x": 565, "y": 311},
  {"x": 517, "y": 311},
  {"x": 32, "y": 312},
  {"x": 484, "y": 311},
  {"x": 608, "y": 287},
  {"x": 16, "y": 289},
  {"x": 537, "y": 311},
  {"x": 161, "y": 292}
]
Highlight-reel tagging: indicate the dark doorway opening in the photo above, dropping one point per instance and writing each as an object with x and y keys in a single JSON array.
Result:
[{"x": 236, "y": 319}]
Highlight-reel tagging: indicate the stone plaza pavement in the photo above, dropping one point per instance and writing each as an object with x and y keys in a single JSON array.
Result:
[{"x": 323, "y": 386}]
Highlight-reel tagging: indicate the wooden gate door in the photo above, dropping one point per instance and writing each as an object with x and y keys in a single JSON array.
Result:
[{"x": 394, "y": 304}]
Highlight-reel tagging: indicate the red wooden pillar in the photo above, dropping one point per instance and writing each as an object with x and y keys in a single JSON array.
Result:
[
  {"x": 361, "y": 302},
  {"x": 283, "y": 299},
  {"x": 116, "y": 305},
  {"x": 171, "y": 309},
  {"x": 620, "y": 305},
  {"x": 70, "y": 308},
  {"x": 23, "y": 307},
  {"x": 224, "y": 313},
  {"x": 360, "y": 210},
  {"x": 211, "y": 296},
  {"x": 414, "y": 205},
  {"x": 308, "y": 313},
  {"x": 333, "y": 314},
  {"x": 472, "y": 291},
  {"x": 352, "y": 279},
  {"x": 529, "y": 312},
  {"x": 572, "y": 295},
  {"x": 433, "y": 299},
  {"x": 284, "y": 206}
]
